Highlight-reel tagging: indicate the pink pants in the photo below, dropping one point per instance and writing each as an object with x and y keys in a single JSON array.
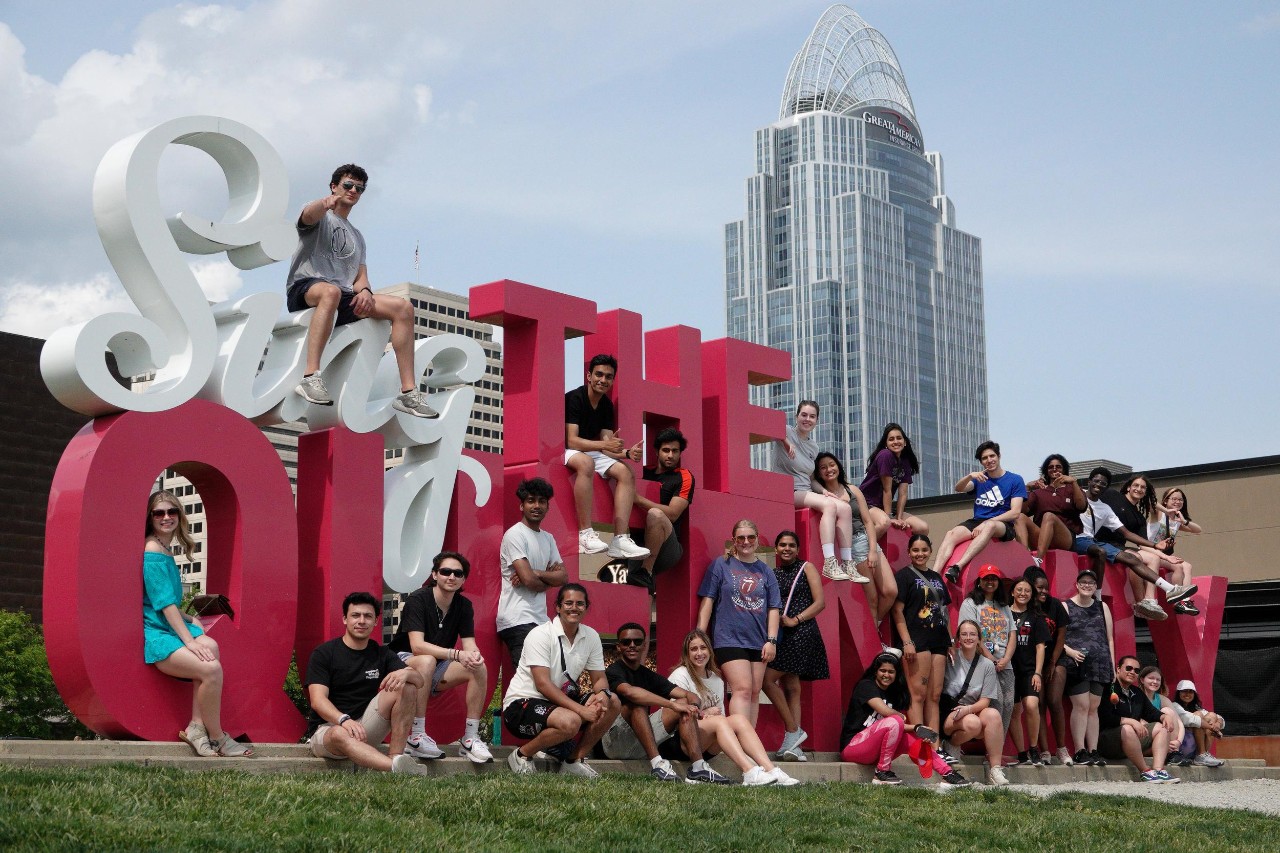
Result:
[{"x": 883, "y": 741}]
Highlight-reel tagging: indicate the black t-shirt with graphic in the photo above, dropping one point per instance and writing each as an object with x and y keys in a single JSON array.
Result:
[
  {"x": 1030, "y": 630},
  {"x": 924, "y": 607}
]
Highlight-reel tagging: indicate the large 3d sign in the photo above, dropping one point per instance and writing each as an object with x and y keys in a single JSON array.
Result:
[{"x": 222, "y": 371}]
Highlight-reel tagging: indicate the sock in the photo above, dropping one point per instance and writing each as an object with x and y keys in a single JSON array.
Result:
[
  {"x": 419, "y": 726},
  {"x": 698, "y": 765},
  {"x": 1164, "y": 585},
  {"x": 655, "y": 761},
  {"x": 307, "y": 375},
  {"x": 472, "y": 729},
  {"x": 846, "y": 554},
  {"x": 405, "y": 390},
  {"x": 828, "y": 550}
]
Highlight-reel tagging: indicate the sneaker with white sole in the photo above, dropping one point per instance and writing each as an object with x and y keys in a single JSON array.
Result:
[
  {"x": 1181, "y": 592},
  {"x": 946, "y": 755},
  {"x": 1064, "y": 757},
  {"x": 519, "y": 764},
  {"x": 1151, "y": 776},
  {"x": 780, "y": 777},
  {"x": 953, "y": 780},
  {"x": 791, "y": 739},
  {"x": 757, "y": 776},
  {"x": 1167, "y": 777},
  {"x": 1150, "y": 609},
  {"x": 795, "y": 753},
  {"x": 707, "y": 776},
  {"x": 590, "y": 543},
  {"x": 1205, "y": 759},
  {"x": 662, "y": 771},
  {"x": 422, "y": 746},
  {"x": 831, "y": 568},
  {"x": 623, "y": 548},
  {"x": 885, "y": 777},
  {"x": 1045, "y": 759},
  {"x": 578, "y": 768},
  {"x": 314, "y": 391},
  {"x": 414, "y": 403},
  {"x": 995, "y": 776},
  {"x": 409, "y": 765},
  {"x": 475, "y": 750},
  {"x": 851, "y": 571}
]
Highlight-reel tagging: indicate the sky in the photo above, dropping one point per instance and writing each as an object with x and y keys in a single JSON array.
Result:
[{"x": 1117, "y": 160}]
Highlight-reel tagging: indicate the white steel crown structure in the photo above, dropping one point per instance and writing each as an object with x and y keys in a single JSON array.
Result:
[
  {"x": 849, "y": 258},
  {"x": 844, "y": 64}
]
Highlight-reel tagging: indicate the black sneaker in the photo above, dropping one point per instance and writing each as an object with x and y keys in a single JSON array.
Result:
[
  {"x": 1082, "y": 758},
  {"x": 1186, "y": 608},
  {"x": 641, "y": 578},
  {"x": 952, "y": 574},
  {"x": 1097, "y": 760},
  {"x": 562, "y": 751},
  {"x": 947, "y": 756},
  {"x": 954, "y": 780},
  {"x": 1023, "y": 760},
  {"x": 885, "y": 777}
]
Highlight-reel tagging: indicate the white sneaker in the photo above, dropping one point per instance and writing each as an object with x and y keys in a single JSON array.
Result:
[
  {"x": 590, "y": 543},
  {"x": 790, "y": 740},
  {"x": 578, "y": 768},
  {"x": 422, "y": 746},
  {"x": 623, "y": 548},
  {"x": 519, "y": 764},
  {"x": 475, "y": 749},
  {"x": 414, "y": 403},
  {"x": 780, "y": 777},
  {"x": 1150, "y": 609},
  {"x": 1064, "y": 757},
  {"x": 795, "y": 753},
  {"x": 1205, "y": 759},
  {"x": 313, "y": 390},
  {"x": 831, "y": 568},
  {"x": 758, "y": 776},
  {"x": 995, "y": 776},
  {"x": 408, "y": 764},
  {"x": 851, "y": 570}
]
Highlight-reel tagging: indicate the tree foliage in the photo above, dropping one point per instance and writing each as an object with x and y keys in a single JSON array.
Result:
[{"x": 29, "y": 703}]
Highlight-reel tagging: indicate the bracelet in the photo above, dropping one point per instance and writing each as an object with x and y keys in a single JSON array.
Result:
[{"x": 344, "y": 718}]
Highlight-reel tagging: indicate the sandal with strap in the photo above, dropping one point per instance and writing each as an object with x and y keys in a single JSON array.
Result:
[
  {"x": 196, "y": 737},
  {"x": 232, "y": 748}
]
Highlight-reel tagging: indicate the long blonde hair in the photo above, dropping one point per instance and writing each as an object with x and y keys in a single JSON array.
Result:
[
  {"x": 187, "y": 545},
  {"x": 692, "y": 668},
  {"x": 742, "y": 522}
]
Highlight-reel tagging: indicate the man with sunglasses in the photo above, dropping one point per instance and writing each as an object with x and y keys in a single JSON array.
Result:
[
  {"x": 670, "y": 732},
  {"x": 328, "y": 273},
  {"x": 435, "y": 619},
  {"x": 1129, "y": 725}
]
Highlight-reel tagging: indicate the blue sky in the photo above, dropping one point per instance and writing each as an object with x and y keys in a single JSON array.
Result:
[{"x": 1117, "y": 160}]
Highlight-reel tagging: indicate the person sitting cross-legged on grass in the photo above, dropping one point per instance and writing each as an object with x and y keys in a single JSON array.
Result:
[
  {"x": 1129, "y": 725},
  {"x": 636, "y": 732},
  {"x": 875, "y": 728},
  {"x": 359, "y": 691},
  {"x": 435, "y": 619},
  {"x": 543, "y": 702}
]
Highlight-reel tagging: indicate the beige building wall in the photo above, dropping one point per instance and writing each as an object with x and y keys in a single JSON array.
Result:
[{"x": 1236, "y": 503}]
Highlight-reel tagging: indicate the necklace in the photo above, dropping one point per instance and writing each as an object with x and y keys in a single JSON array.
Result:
[{"x": 440, "y": 614}]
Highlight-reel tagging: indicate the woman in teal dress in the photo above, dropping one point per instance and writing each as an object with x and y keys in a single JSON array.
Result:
[{"x": 174, "y": 642}]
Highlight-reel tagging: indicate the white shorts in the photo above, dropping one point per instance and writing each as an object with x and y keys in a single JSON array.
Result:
[
  {"x": 376, "y": 728},
  {"x": 603, "y": 463}
]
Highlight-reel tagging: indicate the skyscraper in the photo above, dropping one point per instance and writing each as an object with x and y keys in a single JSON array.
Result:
[{"x": 850, "y": 259}]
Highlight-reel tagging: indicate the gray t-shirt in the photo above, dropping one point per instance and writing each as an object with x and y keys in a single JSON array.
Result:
[
  {"x": 331, "y": 250},
  {"x": 985, "y": 682},
  {"x": 800, "y": 468}
]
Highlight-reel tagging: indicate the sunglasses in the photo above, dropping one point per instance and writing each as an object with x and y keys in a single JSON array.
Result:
[
  {"x": 451, "y": 573},
  {"x": 172, "y": 512},
  {"x": 751, "y": 538},
  {"x": 352, "y": 185},
  {"x": 633, "y": 641},
  {"x": 1128, "y": 669}
]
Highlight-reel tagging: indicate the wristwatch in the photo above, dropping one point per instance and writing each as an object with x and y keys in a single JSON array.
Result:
[
  {"x": 343, "y": 718},
  {"x": 773, "y": 640}
]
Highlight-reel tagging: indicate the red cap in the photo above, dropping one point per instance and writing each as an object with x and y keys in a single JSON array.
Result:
[{"x": 988, "y": 571}]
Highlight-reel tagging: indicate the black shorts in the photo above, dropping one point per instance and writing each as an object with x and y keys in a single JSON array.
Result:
[
  {"x": 730, "y": 653},
  {"x": 938, "y": 649},
  {"x": 668, "y": 554},
  {"x": 1022, "y": 686},
  {"x": 1079, "y": 688},
  {"x": 526, "y": 718},
  {"x": 972, "y": 525},
  {"x": 296, "y": 299}
]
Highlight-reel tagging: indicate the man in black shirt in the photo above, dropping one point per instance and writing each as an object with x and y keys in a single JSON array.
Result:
[
  {"x": 434, "y": 620},
  {"x": 639, "y": 687},
  {"x": 592, "y": 446},
  {"x": 1128, "y": 725},
  {"x": 674, "y": 497},
  {"x": 359, "y": 691}
]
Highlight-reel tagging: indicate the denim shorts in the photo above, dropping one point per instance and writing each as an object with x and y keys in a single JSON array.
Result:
[{"x": 1082, "y": 544}]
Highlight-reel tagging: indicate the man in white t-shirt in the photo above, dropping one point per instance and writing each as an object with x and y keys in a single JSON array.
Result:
[{"x": 531, "y": 564}]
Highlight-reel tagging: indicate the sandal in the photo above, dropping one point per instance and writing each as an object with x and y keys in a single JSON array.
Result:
[
  {"x": 232, "y": 748},
  {"x": 196, "y": 737}
]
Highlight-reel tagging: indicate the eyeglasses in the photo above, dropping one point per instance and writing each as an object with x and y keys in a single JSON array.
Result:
[
  {"x": 632, "y": 641},
  {"x": 451, "y": 573},
  {"x": 352, "y": 185},
  {"x": 750, "y": 538},
  {"x": 171, "y": 512},
  {"x": 573, "y": 605},
  {"x": 1128, "y": 669}
]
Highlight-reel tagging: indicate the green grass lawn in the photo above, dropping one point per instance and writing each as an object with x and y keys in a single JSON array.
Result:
[{"x": 139, "y": 808}]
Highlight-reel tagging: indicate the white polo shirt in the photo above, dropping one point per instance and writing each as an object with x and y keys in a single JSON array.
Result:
[{"x": 543, "y": 648}]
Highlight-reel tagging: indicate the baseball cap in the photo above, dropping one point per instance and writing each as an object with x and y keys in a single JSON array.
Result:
[
  {"x": 1186, "y": 684},
  {"x": 988, "y": 571},
  {"x": 1090, "y": 572}
]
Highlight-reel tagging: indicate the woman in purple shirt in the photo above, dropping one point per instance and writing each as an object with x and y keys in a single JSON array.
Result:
[{"x": 890, "y": 468}]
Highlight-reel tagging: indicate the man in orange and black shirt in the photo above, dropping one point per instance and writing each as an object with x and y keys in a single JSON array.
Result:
[{"x": 660, "y": 518}]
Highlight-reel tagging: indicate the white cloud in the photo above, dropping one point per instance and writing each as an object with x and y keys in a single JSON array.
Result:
[
  {"x": 1268, "y": 22},
  {"x": 38, "y": 311},
  {"x": 422, "y": 100},
  {"x": 218, "y": 279}
]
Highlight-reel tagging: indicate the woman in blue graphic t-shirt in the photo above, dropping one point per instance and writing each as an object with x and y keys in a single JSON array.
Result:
[{"x": 740, "y": 609}]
